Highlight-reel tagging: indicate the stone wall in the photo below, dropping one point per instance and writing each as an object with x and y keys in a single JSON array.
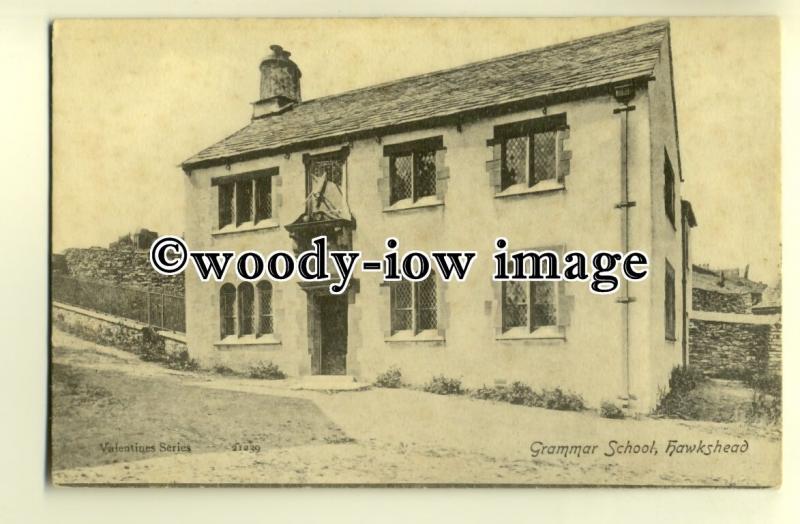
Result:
[
  {"x": 728, "y": 349},
  {"x": 706, "y": 300},
  {"x": 120, "y": 333},
  {"x": 775, "y": 345},
  {"x": 124, "y": 267}
]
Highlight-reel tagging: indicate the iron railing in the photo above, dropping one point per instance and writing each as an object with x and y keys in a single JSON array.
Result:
[{"x": 154, "y": 308}]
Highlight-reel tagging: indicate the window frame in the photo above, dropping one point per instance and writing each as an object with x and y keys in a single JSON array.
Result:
[
  {"x": 241, "y": 290},
  {"x": 530, "y": 327},
  {"x": 532, "y": 330},
  {"x": 228, "y": 290},
  {"x": 415, "y": 308},
  {"x": 669, "y": 189},
  {"x": 528, "y": 129},
  {"x": 234, "y": 184},
  {"x": 339, "y": 155},
  {"x": 237, "y": 314},
  {"x": 264, "y": 288},
  {"x": 416, "y": 149},
  {"x": 670, "y": 299}
]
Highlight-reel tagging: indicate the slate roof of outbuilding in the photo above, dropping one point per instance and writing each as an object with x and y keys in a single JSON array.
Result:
[
  {"x": 570, "y": 66},
  {"x": 710, "y": 280}
]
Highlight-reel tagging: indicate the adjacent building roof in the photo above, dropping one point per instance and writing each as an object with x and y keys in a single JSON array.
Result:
[
  {"x": 770, "y": 302},
  {"x": 724, "y": 281},
  {"x": 576, "y": 65}
]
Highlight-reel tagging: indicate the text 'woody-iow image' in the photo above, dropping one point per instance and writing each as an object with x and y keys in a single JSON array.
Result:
[{"x": 429, "y": 252}]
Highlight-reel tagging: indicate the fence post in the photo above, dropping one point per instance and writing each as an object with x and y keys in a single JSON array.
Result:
[
  {"x": 147, "y": 293},
  {"x": 163, "y": 326}
]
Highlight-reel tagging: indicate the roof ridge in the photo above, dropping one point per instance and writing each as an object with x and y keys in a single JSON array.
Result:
[{"x": 664, "y": 22}]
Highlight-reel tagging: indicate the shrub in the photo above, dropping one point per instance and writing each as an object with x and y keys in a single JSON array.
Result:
[
  {"x": 560, "y": 400},
  {"x": 678, "y": 402},
  {"x": 520, "y": 393},
  {"x": 611, "y": 410},
  {"x": 266, "y": 371},
  {"x": 767, "y": 403},
  {"x": 442, "y": 385},
  {"x": 391, "y": 378},
  {"x": 684, "y": 379},
  {"x": 767, "y": 383},
  {"x": 181, "y": 360},
  {"x": 221, "y": 369},
  {"x": 496, "y": 393},
  {"x": 152, "y": 348},
  {"x": 765, "y": 408}
]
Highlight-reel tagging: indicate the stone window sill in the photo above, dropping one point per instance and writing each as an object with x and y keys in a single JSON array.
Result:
[
  {"x": 543, "y": 333},
  {"x": 269, "y": 223},
  {"x": 546, "y": 186},
  {"x": 247, "y": 341},
  {"x": 430, "y": 335},
  {"x": 407, "y": 204}
]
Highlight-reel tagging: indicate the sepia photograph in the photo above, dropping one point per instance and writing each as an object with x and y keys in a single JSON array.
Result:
[{"x": 394, "y": 252}]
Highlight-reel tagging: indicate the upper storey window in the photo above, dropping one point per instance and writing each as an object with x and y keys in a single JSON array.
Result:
[
  {"x": 326, "y": 184},
  {"x": 530, "y": 153},
  {"x": 669, "y": 189},
  {"x": 529, "y": 159},
  {"x": 412, "y": 169},
  {"x": 244, "y": 199}
]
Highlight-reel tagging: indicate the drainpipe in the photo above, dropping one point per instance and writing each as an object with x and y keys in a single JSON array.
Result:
[{"x": 624, "y": 93}]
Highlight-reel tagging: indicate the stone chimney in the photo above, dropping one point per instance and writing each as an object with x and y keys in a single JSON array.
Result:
[{"x": 280, "y": 83}]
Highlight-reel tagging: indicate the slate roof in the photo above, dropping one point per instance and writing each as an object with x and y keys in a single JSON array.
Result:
[
  {"x": 770, "y": 302},
  {"x": 562, "y": 68},
  {"x": 710, "y": 279}
]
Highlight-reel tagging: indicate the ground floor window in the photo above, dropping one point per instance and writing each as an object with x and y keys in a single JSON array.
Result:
[
  {"x": 414, "y": 306},
  {"x": 245, "y": 310},
  {"x": 528, "y": 306},
  {"x": 265, "y": 307},
  {"x": 669, "y": 302},
  {"x": 227, "y": 310}
]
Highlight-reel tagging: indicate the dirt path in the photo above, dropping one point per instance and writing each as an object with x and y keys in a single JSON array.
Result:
[{"x": 403, "y": 436}]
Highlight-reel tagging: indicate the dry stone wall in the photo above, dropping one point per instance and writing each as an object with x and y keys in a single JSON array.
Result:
[
  {"x": 734, "y": 349},
  {"x": 123, "y": 267},
  {"x": 706, "y": 300}
]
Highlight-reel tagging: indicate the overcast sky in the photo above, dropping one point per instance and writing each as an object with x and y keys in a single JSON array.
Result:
[{"x": 133, "y": 99}]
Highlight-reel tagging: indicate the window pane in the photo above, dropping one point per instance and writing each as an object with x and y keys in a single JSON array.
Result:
[
  {"x": 669, "y": 190},
  {"x": 246, "y": 309},
  {"x": 426, "y": 304},
  {"x": 425, "y": 174},
  {"x": 263, "y": 198},
  {"x": 515, "y": 161},
  {"x": 544, "y": 303},
  {"x": 669, "y": 302},
  {"x": 401, "y": 168},
  {"x": 544, "y": 156},
  {"x": 244, "y": 201},
  {"x": 227, "y": 310},
  {"x": 265, "y": 307},
  {"x": 401, "y": 306},
  {"x": 515, "y": 305},
  {"x": 225, "y": 204},
  {"x": 326, "y": 184},
  {"x": 328, "y": 169}
]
